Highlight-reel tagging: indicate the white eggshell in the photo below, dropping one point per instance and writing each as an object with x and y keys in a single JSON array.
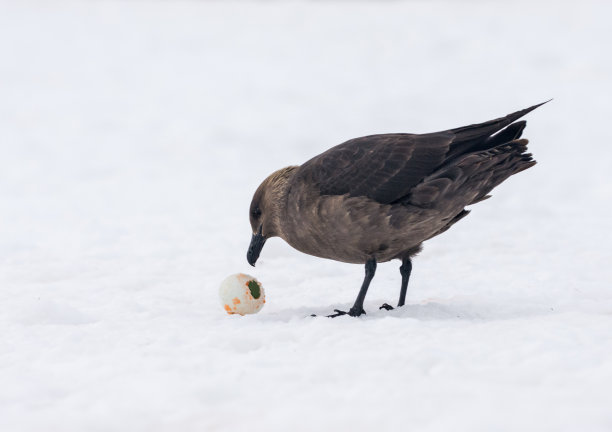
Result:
[{"x": 238, "y": 298}]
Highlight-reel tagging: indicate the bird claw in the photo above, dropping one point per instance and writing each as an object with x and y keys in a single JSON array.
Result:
[
  {"x": 352, "y": 312},
  {"x": 386, "y": 306},
  {"x": 337, "y": 314}
]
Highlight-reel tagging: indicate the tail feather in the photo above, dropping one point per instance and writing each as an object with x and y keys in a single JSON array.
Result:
[
  {"x": 471, "y": 177},
  {"x": 511, "y": 133},
  {"x": 509, "y": 159}
]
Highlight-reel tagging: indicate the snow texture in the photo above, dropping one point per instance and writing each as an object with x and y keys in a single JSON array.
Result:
[{"x": 132, "y": 136}]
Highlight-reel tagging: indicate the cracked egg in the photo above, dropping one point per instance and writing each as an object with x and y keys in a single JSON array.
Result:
[{"x": 241, "y": 294}]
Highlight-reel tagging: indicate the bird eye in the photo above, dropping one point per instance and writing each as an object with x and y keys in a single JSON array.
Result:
[{"x": 256, "y": 213}]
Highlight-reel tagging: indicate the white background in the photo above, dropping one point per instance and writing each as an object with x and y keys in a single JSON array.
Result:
[{"x": 132, "y": 136}]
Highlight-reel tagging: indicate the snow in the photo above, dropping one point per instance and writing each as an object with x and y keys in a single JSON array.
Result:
[{"x": 132, "y": 136}]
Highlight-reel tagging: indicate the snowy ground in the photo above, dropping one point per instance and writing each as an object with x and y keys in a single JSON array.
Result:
[{"x": 132, "y": 136}]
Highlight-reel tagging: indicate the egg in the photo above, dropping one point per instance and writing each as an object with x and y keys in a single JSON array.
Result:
[{"x": 241, "y": 294}]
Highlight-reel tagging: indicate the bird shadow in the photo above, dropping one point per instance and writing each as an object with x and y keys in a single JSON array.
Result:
[{"x": 459, "y": 309}]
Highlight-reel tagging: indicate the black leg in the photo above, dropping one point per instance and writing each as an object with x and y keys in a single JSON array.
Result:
[
  {"x": 405, "y": 271},
  {"x": 357, "y": 309}
]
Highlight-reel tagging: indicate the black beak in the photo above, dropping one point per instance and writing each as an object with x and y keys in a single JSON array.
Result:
[{"x": 257, "y": 243}]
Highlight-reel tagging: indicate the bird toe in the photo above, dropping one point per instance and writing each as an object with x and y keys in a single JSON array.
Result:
[
  {"x": 354, "y": 312},
  {"x": 337, "y": 314}
]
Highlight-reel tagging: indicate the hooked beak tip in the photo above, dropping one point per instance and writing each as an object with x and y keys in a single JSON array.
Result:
[
  {"x": 257, "y": 242},
  {"x": 254, "y": 250}
]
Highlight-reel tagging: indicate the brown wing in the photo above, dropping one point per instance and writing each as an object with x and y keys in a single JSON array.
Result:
[
  {"x": 382, "y": 167},
  {"x": 386, "y": 167}
]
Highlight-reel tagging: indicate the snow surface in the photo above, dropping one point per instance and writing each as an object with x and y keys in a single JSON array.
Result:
[{"x": 132, "y": 136}]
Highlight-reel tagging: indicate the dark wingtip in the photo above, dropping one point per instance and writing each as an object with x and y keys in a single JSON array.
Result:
[
  {"x": 538, "y": 105},
  {"x": 490, "y": 127},
  {"x": 511, "y": 118},
  {"x": 521, "y": 113}
]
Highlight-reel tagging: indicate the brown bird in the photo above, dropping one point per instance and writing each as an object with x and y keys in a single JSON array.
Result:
[{"x": 378, "y": 198}]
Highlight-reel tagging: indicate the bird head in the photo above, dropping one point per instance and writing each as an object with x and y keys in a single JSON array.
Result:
[{"x": 266, "y": 209}]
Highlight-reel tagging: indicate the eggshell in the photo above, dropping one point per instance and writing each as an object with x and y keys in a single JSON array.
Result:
[{"x": 241, "y": 294}]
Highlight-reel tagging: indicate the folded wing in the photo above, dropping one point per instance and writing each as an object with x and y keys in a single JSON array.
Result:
[{"x": 386, "y": 168}]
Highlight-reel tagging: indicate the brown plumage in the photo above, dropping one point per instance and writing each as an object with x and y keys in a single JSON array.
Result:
[{"x": 379, "y": 197}]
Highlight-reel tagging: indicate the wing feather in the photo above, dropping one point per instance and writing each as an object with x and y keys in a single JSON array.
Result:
[
  {"x": 386, "y": 167},
  {"x": 382, "y": 167}
]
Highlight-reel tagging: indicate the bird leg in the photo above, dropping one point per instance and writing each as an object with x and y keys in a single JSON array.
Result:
[
  {"x": 357, "y": 309},
  {"x": 405, "y": 271}
]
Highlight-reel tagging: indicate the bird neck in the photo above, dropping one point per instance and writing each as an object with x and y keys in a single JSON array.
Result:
[{"x": 279, "y": 187}]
